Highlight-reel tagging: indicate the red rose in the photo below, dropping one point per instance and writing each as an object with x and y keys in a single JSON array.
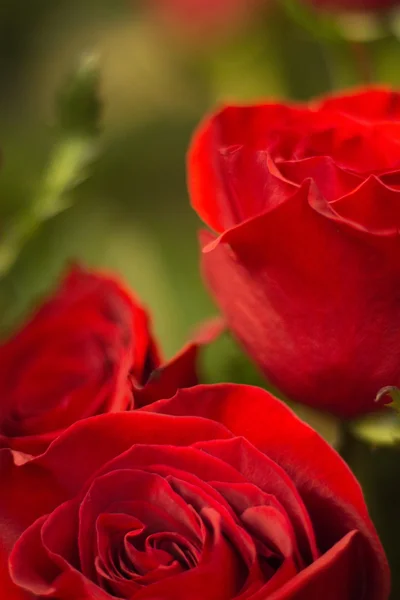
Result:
[
  {"x": 83, "y": 353},
  {"x": 306, "y": 268},
  {"x": 226, "y": 494}
]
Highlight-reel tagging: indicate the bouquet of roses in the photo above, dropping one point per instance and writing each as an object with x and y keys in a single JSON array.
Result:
[{"x": 127, "y": 475}]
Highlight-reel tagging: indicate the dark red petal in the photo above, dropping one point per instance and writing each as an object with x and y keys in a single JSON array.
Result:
[
  {"x": 19, "y": 506},
  {"x": 71, "y": 461},
  {"x": 254, "y": 413},
  {"x": 34, "y": 569},
  {"x": 248, "y": 501},
  {"x": 292, "y": 264},
  {"x": 372, "y": 103},
  {"x": 372, "y": 206},
  {"x": 174, "y": 461},
  {"x": 181, "y": 371},
  {"x": 30, "y": 564},
  {"x": 9, "y": 590},
  {"x": 329, "y": 490},
  {"x": 72, "y": 360},
  {"x": 236, "y": 133},
  {"x": 332, "y": 181},
  {"x": 125, "y": 485},
  {"x": 264, "y": 473},
  {"x": 79, "y": 452},
  {"x": 204, "y": 581},
  {"x": 340, "y": 573}
]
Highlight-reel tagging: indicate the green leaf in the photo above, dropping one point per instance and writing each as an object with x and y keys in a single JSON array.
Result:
[
  {"x": 78, "y": 103},
  {"x": 78, "y": 123}
]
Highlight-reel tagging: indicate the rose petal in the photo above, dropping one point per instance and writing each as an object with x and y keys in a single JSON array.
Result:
[
  {"x": 122, "y": 430},
  {"x": 329, "y": 490},
  {"x": 321, "y": 578},
  {"x": 370, "y": 104},
  {"x": 181, "y": 371},
  {"x": 348, "y": 284},
  {"x": 218, "y": 145},
  {"x": 260, "y": 470}
]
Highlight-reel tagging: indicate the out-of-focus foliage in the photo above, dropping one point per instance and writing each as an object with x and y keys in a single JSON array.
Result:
[{"x": 77, "y": 115}]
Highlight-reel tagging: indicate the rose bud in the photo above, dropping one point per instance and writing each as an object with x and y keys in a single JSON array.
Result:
[
  {"x": 306, "y": 264},
  {"x": 88, "y": 350},
  {"x": 219, "y": 493}
]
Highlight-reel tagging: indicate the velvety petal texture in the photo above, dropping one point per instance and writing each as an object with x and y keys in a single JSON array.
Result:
[
  {"x": 218, "y": 493},
  {"x": 87, "y": 350},
  {"x": 306, "y": 264}
]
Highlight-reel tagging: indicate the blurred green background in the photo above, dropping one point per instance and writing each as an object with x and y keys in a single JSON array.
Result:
[{"x": 132, "y": 214}]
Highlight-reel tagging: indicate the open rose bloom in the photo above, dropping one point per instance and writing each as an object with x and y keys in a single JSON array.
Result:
[
  {"x": 219, "y": 493},
  {"x": 88, "y": 350},
  {"x": 305, "y": 259}
]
